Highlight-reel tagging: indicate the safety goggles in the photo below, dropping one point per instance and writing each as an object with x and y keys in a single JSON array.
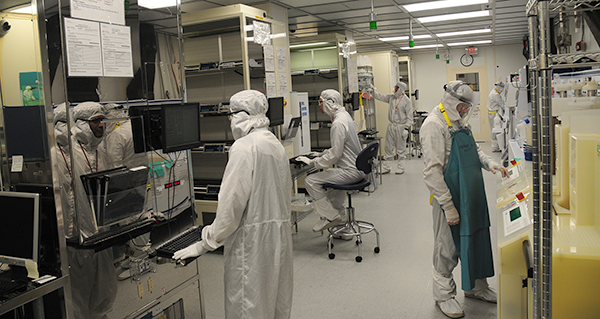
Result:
[
  {"x": 231, "y": 114},
  {"x": 96, "y": 120},
  {"x": 464, "y": 106}
]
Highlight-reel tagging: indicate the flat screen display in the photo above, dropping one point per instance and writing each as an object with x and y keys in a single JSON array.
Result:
[
  {"x": 275, "y": 111},
  {"x": 146, "y": 126},
  {"x": 180, "y": 126},
  {"x": 356, "y": 101},
  {"x": 19, "y": 226}
]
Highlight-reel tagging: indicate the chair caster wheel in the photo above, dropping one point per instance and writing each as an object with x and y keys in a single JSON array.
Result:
[
  {"x": 376, "y": 250},
  {"x": 358, "y": 259},
  {"x": 331, "y": 256}
]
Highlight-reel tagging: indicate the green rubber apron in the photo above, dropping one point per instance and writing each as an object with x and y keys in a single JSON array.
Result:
[{"x": 472, "y": 234}]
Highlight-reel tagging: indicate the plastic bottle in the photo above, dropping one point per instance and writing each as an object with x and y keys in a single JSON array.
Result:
[
  {"x": 590, "y": 89},
  {"x": 578, "y": 85},
  {"x": 524, "y": 128}
]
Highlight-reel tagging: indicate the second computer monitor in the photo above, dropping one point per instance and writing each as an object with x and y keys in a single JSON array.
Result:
[
  {"x": 275, "y": 112},
  {"x": 19, "y": 228},
  {"x": 180, "y": 127}
]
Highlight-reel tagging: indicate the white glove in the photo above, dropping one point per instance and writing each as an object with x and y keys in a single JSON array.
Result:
[
  {"x": 304, "y": 159},
  {"x": 497, "y": 167},
  {"x": 315, "y": 154},
  {"x": 451, "y": 213},
  {"x": 193, "y": 250}
]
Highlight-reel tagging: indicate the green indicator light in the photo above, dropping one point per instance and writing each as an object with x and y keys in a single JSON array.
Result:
[
  {"x": 411, "y": 44},
  {"x": 373, "y": 25},
  {"x": 437, "y": 56},
  {"x": 447, "y": 61}
]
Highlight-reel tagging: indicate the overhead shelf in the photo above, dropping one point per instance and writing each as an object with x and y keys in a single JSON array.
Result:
[
  {"x": 563, "y": 5},
  {"x": 570, "y": 60}
]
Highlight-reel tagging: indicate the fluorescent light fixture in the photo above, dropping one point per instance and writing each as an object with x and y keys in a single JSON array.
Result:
[
  {"x": 441, "y": 4},
  {"x": 315, "y": 44},
  {"x": 26, "y": 9},
  {"x": 452, "y": 34},
  {"x": 421, "y": 36},
  {"x": 426, "y": 46},
  {"x": 429, "y": 46},
  {"x": 351, "y": 52},
  {"x": 455, "y": 16},
  {"x": 155, "y": 4},
  {"x": 469, "y": 43}
]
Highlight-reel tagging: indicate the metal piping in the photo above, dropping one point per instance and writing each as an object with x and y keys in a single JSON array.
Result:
[
  {"x": 535, "y": 114},
  {"x": 546, "y": 152}
]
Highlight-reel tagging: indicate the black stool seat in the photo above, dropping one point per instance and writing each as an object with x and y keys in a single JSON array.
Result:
[{"x": 349, "y": 187}]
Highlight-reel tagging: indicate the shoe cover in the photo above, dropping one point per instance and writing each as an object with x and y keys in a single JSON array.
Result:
[
  {"x": 451, "y": 308},
  {"x": 486, "y": 294},
  {"x": 324, "y": 223},
  {"x": 385, "y": 167},
  {"x": 400, "y": 167},
  {"x": 324, "y": 209}
]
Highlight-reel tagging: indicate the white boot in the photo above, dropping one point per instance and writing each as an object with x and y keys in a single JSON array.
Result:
[
  {"x": 400, "y": 167},
  {"x": 385, "y": 167},
  {"x": 451, "y": 308},
  {"x": 329, "y": 215}
]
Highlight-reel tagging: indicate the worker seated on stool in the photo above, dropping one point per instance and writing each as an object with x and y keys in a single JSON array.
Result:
[{"x": 345, "y": 146}]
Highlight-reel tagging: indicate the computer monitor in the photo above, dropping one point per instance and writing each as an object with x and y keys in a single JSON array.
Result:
[
  {"x": 146, "y": 127},
  {"x": 216, "y": 128},
  {"x": 167, "y": 127},
  {"x": 19, "y": 227},
  {"x": 116, "y": 194},
  {"x": 275, "y": 111},
  {"x": 180, "y": 126},
  {"x": 356, "y": 101}
]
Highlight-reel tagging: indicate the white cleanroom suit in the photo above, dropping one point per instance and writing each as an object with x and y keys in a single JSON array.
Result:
[
  {"x": 345, "y": 146},
  {"x": 495, "y": 106},
  {"x": 253, "y": 217},
  {"x": 400, "y": 116},
  {"x": 93, "y": 276},
  {"x": 436, "y": 140}
]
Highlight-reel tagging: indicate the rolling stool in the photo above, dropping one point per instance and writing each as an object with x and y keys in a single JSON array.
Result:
[
  {"x": 352, "y": 227},
  {"x": 416, "y": 143}
]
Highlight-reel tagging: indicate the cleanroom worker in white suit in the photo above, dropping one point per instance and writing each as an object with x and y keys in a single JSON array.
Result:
[
  {"x": 495, "y": 106},
  {"x": 93, "y": 276},
  {"x": 400, "y": 115},
  {"x": 453, "y": 174},
  {"x": 345, "y": 146},
  {"x": 253, "y": 217},
  {"x": 62, "y": 156}
]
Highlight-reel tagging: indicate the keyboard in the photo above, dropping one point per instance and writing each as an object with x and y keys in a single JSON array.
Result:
[
  {"x": 181, "y": 241},
  {"x": 293, "y": 160},
  {"x": 8, "y": 286}
]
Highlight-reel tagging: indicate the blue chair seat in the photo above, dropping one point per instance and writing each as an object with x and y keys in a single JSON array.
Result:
[{"x": 349, "y": 187}]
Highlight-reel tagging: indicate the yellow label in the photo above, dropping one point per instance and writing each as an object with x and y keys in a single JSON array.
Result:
[
  {"x": 141, "y": 290},
  {"x": 150, "y": 285},
  {"x": 261, "y": 18}
]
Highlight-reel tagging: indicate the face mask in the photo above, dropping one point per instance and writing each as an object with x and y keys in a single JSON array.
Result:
[{"x": 398, "y": 94}]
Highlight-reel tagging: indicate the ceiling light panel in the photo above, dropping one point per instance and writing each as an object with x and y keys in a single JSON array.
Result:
[
  {"x": 441, "y": 4},
  {"x": 455, "y": 16},
  {"x": 466, "y": 32}
]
